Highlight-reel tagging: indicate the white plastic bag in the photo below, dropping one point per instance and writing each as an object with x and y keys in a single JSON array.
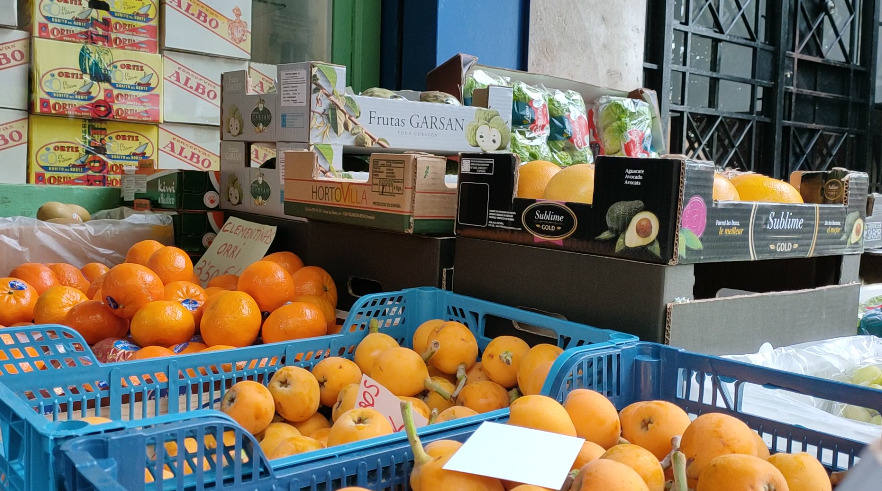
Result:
[{"x": 24, "y": 239}]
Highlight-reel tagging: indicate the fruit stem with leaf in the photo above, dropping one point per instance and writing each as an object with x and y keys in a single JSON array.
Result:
[
  {"x": 374, "y": 326},
  {"x": 513, "y": 394},
  {"x": 420, "y": 456},
  {"x": 431, "y": 350},
  {"x": 437, "y": 388},
  {"x": 433, "y": 416},
  {"x": 678, "y": 462},
  {"x": 461, "y": 379}
]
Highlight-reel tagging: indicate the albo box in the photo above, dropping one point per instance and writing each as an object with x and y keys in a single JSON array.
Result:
[
  {"x": 662, "y": 211},
  {"x": 173, "y": 189},
  {"x": 14, "y": 57},
  {"x": 403, "y": 192},
  {"x": 188, "y": 146},
  {"x": 9, "y": 13},
  {"x": 214, "y": 27},
  {"x": 191, "y": 87},
  {"x": 82, "y": 152},
  {"x": 310, "y": 106},
  {"x": 261, "y": 78},
  {"x": 87, "y": 81},
  {"x": 13, "y": 146}
]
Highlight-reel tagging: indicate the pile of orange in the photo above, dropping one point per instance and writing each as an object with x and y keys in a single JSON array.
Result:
[{"x": 156, "y": 299}]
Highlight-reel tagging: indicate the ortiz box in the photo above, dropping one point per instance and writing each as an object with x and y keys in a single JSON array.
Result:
[
  {"x": 311, "y": 106},
  {"x": 402, "y": 192},
  {"x": 212, "y": 27},
  {"x": 88, "y": 81},
  {"x": 82, "y": 152},
  {"x": 662, "y": 211},
  {"x": 191, "y": 87}
]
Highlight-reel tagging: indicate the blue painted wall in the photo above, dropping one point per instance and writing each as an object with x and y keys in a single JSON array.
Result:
[{"x": 420, "y": 34}]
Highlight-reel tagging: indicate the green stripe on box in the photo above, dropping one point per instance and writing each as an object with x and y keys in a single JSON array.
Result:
[
  {"x": 351, "y": 216},
  {"x": 433, "y": 226}
]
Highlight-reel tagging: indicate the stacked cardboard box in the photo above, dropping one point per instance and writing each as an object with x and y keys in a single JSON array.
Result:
[{"x": 14, "y": 56}]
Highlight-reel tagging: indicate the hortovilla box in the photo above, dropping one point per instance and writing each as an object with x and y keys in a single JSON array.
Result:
[
  {"x": 402, "y": 192},
  {"x": 662, "y": 211},
  {"x": 311, "y": 105}
]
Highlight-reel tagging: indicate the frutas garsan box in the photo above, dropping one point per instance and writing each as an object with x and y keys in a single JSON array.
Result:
[{"x": 214, "y": 27}]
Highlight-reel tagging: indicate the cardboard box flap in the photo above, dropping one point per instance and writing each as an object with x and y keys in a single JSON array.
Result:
[
  {"x": 302, "y": 164},
  {"x": 235, "y": 82}
]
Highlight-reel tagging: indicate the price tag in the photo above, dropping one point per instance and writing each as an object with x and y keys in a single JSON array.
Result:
[
  {"x": 373, "y": 395},
  {"x": 238, "y": 244}
]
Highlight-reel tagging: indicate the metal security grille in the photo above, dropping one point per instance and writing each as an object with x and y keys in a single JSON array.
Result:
[{"x": 772, "y": 86}]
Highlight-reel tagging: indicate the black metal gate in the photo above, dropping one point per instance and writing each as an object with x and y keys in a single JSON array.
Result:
[{"x": 772, "y": 86}]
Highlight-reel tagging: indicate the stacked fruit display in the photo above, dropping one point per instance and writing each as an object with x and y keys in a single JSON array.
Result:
[
  {"x": 441, "y": 377},
  {"x": 153, "y": 305}
]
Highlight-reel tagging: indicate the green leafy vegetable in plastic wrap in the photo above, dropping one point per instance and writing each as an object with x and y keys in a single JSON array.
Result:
[
  {"x": 480, "y": 79},
  {"x": 529, "y": 115},
  {"x": 624, "y": 126},
  {"x": 568, "y": 138}
]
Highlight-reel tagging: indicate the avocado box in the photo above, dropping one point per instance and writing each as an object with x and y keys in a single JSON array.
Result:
[
  {"x": 172, "y": 189},
  {"x": 661, "y": 210},
  {"x": 402, "y": 192},
  {"x": 311, "y": 105}
]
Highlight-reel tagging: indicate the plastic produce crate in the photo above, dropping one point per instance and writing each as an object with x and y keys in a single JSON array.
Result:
[
  {"x": 51, "y": 378},
  {"x": 624, "y": 373}
]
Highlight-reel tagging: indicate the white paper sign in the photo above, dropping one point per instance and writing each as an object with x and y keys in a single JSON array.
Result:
[
  {"x": 373, "y": 395},
  {"x": 517, "y": 454},
  {"x": 238, "y": 244}
]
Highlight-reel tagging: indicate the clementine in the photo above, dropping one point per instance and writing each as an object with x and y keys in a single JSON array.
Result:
[
  {"x": 140, "y": 252},
  {"x": 37, "y": 275},
  {"x": 268, "y": 283},
  {"x": 296, "y": 320},
  {"x": 94, "y": 291},
  {"x": 152, "y": 352},
  {"x": 95, "y": 321},
  {"x": 94, "y": 270},
  {"x": 52, "y": 306},
  {"x": 225, "y": 281},
  {"x": 162, "y": 323},
  {"x": 322, "y": 303},
  {"x": 288, "y": 260},
  {"x": 188, "y": 347},
  {"x": 214, "y": 290},
  {"x": 171, "y": 264},
  {"x": 313, "y": 280},
  {"x": 127, "y": 287},
  {"x": 230, "y": 318},
  {"x": 69, "y": 276},
  {"x": 17, "y": 300},
  {"x": 188, "y": 294}
]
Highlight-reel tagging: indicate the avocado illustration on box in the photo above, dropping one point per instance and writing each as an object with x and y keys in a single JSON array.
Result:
[{"x": 632, "y": 227}]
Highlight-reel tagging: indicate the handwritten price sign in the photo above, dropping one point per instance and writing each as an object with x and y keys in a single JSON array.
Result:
[
  {"x": 238, "y": 244},
  {"x": 373, "y": 395}
]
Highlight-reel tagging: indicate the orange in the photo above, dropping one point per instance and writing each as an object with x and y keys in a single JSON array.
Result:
[
  {"x": 188, "y": 294},
  {"x": 724, "y": 190},
  {"x": 94, "y": 270},
  {"x": 37, "y": 275},
  {"x": 53, "y": 305},
  {"x": 95, "y": 321},
  {"x": 94, "y": 291},
  {"x": 533, "y": 177},
  {"x": 17, "y": 300},
  {"x": 69, "y": 276},
  {"x": 573, "y": 184},
  {"x": 152, "y": 352},
  {"x": 162, "y": 323},
  {"x": 214, "y": 290},
  {"x": 322, "y": 303},
  {"x": 188, "y": 347},
  {"x": 171, "y": 264},
  {"x": 225, "y": 281},
  {"x": 288, "y": 260},
  {"x": 757, "y": 187},
  {"x": 268, "y": 283},
  {"x": 230, "y": 318},
  {"x": 140, "y": 252},
  {"x": 296, "y": 320},
  {"x": 313, "y": 280},
  {"x": 128, "y": 287}
]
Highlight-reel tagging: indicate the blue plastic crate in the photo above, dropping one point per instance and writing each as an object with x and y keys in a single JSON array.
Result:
[
  {"x": 624, "y": 373},
  {"x": 54, "y": 378}
]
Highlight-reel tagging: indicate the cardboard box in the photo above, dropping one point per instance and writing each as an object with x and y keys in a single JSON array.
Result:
[
  {"x": 873, "y": 228},
  {"x": 310, "y": 106},
  {"x": 25, "y": 199},
  {"x": 403, "y": 192},
  {"x": 195, "y": 230},
  {"x": 191, "y": 87},
  {"x": 261, "y": 78},
  {"x": 14, "y": 58},
  {"x": 127, "y": 24},
  {"x": 246, "y": 187},
  {"x": 9, "y": 13},
  {"x": 672, "y": 197},
  {"x": 82, "y": 152},
  {"x": 187, "y": 146},
  {"x": 214, "y": 27},
  {"x": 363, "y": 261},
  {"x": 120, "y": 85},
  {"x": 172, "y": 189},
  {"x": 13, "y": 146},
  {"x": 715, "y": 308}
]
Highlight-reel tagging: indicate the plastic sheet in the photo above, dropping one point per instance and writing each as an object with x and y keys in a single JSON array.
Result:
[{"x": 25, "y": 239}]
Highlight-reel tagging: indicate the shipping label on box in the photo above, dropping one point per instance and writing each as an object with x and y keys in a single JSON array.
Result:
[
  {"x": 13, "y": 146},
  {"x": 192, "y": 87},
  {"x": 88, "y": 81},
  {"x": 185, "y": 146},
  {"x": 74, "y": 151},
  {"x": 261, "y": 78},
  {"x": 14, "y": 57},
  {"x": 215, "y": 27}
]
